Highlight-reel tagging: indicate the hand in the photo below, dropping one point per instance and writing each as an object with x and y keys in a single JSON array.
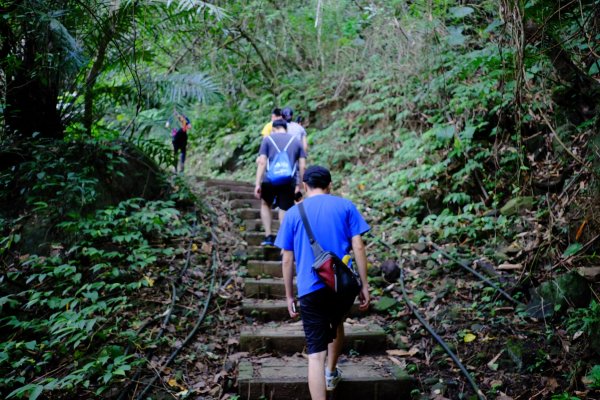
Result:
[
  {"x": 292, "y": 308},
  {"x": 257, "y": 191},
  {"x": 364, "y": 297}
]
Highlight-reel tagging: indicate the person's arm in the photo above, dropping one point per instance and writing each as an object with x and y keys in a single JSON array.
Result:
[
  {"x": 301, "y": 168},
  {"x": 360, "y": 258},
  {"x": 287, "y": 266},
  {"x": 305, "y": 144},
  {"x": 260, "y": 171}
]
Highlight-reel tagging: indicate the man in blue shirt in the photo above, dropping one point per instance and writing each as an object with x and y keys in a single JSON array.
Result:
[{"x": 337, "y": 226}]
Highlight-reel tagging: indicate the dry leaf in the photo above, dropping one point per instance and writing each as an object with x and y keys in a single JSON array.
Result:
[
  {"x": 504, "y": 397},
  {"x": 206, "y": 248},
  {"x": 173, "y": 383},
  {"x": 509, "y": 267},
  {"x": 403, "y": 353}
]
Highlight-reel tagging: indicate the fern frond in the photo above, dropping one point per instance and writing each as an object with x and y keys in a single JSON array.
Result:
[
  {"x": 67, "y": 44},
  {"x": 186, "y": 86},
  {"x": 199, "y": 6}
]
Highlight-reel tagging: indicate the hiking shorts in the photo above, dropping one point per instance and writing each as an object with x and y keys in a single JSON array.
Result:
[
  {"x": 180, "y": 142},
  {"x": 280, "y": 195},
  {"x": 322, "y": 311}
]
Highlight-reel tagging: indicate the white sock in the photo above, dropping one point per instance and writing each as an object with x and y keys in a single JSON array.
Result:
[{"x": 329, "y": 373}]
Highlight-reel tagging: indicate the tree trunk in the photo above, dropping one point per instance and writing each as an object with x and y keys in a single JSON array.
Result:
[
  {"x": 32, "y": 97},
  {"x": 92, "y": 77}
]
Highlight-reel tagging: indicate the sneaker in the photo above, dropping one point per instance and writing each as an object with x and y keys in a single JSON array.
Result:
[
  {"x": 333, "y": 380},
  {"x": 269, "y": 241}
]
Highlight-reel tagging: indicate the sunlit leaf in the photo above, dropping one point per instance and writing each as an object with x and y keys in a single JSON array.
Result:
[
  {"x": 572, "y": 250},
  {"x": 469, "y": 337}
]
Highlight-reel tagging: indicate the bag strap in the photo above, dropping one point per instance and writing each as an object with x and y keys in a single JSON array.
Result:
[
  {"x": 288, "y": 145},
  {"x": 316, "y": 247},
  {"x": 274, "y": 144}
]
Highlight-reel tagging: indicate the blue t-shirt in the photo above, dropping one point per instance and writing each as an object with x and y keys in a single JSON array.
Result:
[{"x": 334, "y": 222}]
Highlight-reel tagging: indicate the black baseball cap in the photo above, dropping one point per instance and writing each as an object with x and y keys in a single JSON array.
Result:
[
  {"x": 316, "y": 176},
  {"x": 287, "y": 113},
  {"x": 280, "y": 123}
]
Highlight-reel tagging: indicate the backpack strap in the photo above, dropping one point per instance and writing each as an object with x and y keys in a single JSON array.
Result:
[
  {"x": 285, "y": 149},
  {"x": 316, "y": 247},
  {"x": 290, "y": 142},
  {"x": 275, "y": 144}
]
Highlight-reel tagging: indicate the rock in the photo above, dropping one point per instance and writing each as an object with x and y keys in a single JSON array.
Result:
[
  {"x": 570, "y": 289},
  {"x": 517, "y": 205},
  {"x": 390, "y": 270},
  {"x": 439, "y": 389},
  {"x": 419, "y": 247},
  {"x": 592, "y": 274}
]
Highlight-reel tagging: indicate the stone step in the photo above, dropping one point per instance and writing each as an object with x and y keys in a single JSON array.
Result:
[
  {"x": 244, "y": 195},
  {"x": 245, "y": 203},
  {"x": 266, "y": 309},
  {"x": 288, "y": 338},
  {"x": 255, "y": 238},
  {"x": 276, "y": 309},
  {"x": 266, "y": 288},
  {"x": 226, "y": 182},
  {"x": 364, "y": 378},
  {"x": 269, "y": 253},
  {"x": 264, "y": 268},
  {"x": 255, "y": 225},
  {"x": 226, "y": 187},
  {"x": 254, "y": 213}
]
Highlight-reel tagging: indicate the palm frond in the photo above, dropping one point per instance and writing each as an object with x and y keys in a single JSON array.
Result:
[
  {"x": 198, "y": 5},
  {"x": 186, "y": 86},
  {"x": 66, "y": 44}
]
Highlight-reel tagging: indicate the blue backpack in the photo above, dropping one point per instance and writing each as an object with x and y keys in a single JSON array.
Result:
[{"x": 280, "y": 171}]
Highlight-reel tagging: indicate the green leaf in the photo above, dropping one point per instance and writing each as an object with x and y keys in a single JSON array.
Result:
[
  {"x": 385, "y": 303},
  {"x": 572, "y": 250},
  {"x": 595, "y": 68},
  {"x": 455, "y": 36},
  {"x": 460, "y": 12},
  {"x": 30, "y": 345},
  {"x": 33, "y": 389},
  {"x": 444, "y": 132}
]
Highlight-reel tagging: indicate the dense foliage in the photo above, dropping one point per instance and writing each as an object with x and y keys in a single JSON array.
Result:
[{"x": 469, "y": 123}]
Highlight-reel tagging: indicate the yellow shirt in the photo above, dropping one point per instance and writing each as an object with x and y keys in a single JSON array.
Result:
[{"x": 266, "y": 130}]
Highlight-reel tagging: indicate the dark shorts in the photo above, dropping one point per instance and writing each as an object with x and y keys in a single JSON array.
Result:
[
  {"x": 280, "y": 195},
  {"x": 180, "y": 141},
  {"x": 322, "y": 311}
]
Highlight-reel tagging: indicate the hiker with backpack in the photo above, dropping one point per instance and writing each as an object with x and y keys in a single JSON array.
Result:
[
  {"x": 281, "y": 162},
  {"x": 323, "y": 224},
  {"x": 294, "y": 128},
  {"x": 180, "y": 139}
]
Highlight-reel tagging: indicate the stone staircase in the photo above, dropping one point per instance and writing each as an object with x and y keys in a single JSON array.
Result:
[{"x": 276, "y": 366}]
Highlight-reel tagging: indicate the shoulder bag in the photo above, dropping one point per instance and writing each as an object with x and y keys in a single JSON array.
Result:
[{"x": 336, "y": 275}]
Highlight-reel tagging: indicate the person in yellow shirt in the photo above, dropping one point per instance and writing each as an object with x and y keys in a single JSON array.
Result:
[{"x": 275, "y": 115}]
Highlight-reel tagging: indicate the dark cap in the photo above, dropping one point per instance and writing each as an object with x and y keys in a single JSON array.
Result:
[
  {"x": 287, "y": 113},
  {"x": 280, "y": 123},
  {"x": 316, "y": 176}
]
